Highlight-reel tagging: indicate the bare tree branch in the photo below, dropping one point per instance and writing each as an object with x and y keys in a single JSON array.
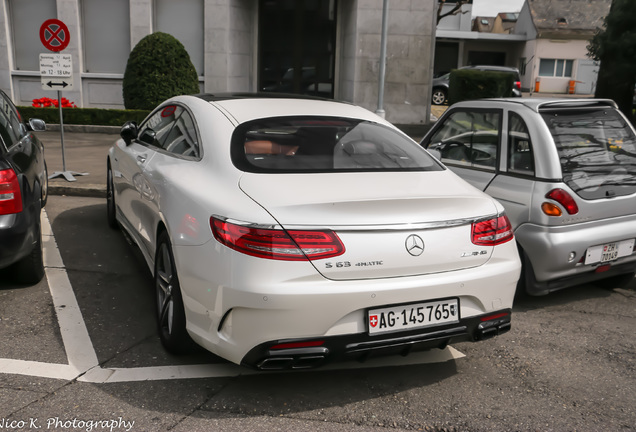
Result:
[{"x": 454, "y": 11}]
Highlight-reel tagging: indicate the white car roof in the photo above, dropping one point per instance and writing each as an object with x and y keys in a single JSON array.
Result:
[{"x": 246, "y": 107}]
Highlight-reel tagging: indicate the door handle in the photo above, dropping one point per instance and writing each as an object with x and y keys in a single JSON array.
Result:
[{"x": 142, "y": 158}]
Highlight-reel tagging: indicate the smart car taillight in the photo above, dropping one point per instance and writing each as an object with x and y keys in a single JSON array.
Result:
[
  {"x": 518, "y": 85},
  {"x": 563, "y": 198},
  {"x": 492, "y": 232},
  {"x": 277, "y": 244},
  {"x": 10, "y": 195}
]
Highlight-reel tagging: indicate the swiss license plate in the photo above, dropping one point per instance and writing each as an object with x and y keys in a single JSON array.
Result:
[
  {"x": 609, "y": 251},
  {"x": 413, "y": 316}
]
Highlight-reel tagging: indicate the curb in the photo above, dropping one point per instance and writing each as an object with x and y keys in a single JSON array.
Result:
[
  {"x": 79, "y": 190},
  {"x": 84, "y": 128}
]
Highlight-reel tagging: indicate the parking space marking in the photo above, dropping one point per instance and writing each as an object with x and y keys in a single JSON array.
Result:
[{"x": 84, "y": 365}]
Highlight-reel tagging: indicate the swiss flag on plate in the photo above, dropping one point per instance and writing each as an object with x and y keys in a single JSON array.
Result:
[{"x": 373, "y": 320}]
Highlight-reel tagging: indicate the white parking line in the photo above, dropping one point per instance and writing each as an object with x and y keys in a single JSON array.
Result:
[{"x": 84, "y": 365}]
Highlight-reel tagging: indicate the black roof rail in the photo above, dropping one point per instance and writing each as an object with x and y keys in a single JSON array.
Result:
[{"x": 212, "y": 97}]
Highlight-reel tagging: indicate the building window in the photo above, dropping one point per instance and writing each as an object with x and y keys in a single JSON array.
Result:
[
  {"x": 555, "y": 68},
  {"x": 184, "y": 21},
  {"x": 26, "y": 17},
  {"x": 297, "y": 41},
  {"x": 106, "y": 47}
]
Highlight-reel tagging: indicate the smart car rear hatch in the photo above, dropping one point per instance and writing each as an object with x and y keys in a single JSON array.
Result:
[{"x": 596, "y": 147}]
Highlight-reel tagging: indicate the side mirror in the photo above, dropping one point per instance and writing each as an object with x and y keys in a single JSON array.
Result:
[
  {"x": 37, "y": 125},
  {"x": 129, "y": 131}
]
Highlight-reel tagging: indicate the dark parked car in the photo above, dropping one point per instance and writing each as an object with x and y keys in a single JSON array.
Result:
[
  {"x": 23, "y": 193},
  {"x": 441, "y": 83}
]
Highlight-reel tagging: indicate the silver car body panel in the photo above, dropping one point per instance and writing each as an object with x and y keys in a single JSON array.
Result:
[{"x": 546, "y": 240}]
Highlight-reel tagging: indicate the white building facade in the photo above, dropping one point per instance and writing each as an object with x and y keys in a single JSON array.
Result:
[{"x": 326, "y": 47}]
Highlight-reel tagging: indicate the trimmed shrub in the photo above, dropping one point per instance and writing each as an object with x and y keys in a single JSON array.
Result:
[
  {"x": 158, "y": 68},
  {"x": 470, "y": 84},
  {"x": 84, "y": 116}
]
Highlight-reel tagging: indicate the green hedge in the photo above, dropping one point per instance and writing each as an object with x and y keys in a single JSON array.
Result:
[
  {"x": 84, "y": 116},
  {"x": 470, "y": 84}
]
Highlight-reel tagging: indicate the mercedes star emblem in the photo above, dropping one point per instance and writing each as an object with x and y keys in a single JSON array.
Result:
[{"x": 414, "y": 245}]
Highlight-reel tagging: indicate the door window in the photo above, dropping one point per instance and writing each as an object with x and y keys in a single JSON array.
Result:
[
  {"x": 182, "y": 139},
  {"x": 520, "y": 154},
  {"x": 469, "y": 138},
  {"x": 10, "y": 125},
  {"x": 158, "y": 126}
]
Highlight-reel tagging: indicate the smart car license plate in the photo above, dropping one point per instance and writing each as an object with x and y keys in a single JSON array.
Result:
[
  {"x": 609, "y": 251},
  {"x": 413, "y": 316}
]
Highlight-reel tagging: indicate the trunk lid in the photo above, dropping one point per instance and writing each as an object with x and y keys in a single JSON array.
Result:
[{"x": 391, "y": 224}]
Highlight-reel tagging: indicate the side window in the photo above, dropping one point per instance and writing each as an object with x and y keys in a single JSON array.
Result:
[
  {"x": 12, "y": 129},
  {"x": 182, "y": 139},
  {"x": 158, "y": 126},
  {"x": 469, "y": 138},
  {"x": 520, "y": 154}
]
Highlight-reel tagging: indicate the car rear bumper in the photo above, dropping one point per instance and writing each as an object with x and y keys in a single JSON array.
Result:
[
  {"x": 17, "y": 237},
  {"x": 257, "y": 301},
  {"x": 362, "y": 346},
  {"x": 549, "y": 250}
]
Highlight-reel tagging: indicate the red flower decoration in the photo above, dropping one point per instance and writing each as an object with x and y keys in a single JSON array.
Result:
[{"x": 48, "y": 102}]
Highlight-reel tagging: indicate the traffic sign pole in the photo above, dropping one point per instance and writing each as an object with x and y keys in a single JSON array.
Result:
[{"x": 56, "y": 70}]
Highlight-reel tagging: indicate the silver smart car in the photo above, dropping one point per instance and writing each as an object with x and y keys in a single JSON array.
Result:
[{"x": 564, "y": 170}]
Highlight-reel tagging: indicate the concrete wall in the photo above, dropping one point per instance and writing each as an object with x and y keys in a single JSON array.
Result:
[
  {"x": 410, "y": 48},
  {"x": 230, "y": 47}
]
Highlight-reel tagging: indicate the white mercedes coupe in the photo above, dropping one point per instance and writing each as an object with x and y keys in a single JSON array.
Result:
[{"x": 286, "y": 232}]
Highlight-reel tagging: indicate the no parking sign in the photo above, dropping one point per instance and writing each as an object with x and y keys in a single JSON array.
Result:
[{"x": 54, "y": 35}]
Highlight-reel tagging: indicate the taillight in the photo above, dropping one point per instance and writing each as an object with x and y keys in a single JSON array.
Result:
[
  {"x": 277, "y": 244},
  {"x": 492, "y": 232},
  {"x": 291, "y": 345},
  {"x": 563, "y": 198},
  {"x": 10, "y": 195},
  {"x": 518, "y": 85}
]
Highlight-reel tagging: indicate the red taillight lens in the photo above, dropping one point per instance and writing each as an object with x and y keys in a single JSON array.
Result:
[
  {"x": 277, "y": 244},
  {"x": 565, "y": 199},
  {"x": 291, "y": 345},
  {"x": 492, "y": 232},
  {"x": 518, "y": 84},
  {"x": 493, "y": 317},
  {"x": 10, "y": 195}
]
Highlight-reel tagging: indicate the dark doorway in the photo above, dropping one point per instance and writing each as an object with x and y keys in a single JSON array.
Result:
[
  {"x": 446, "y": 55},
  {"x": 490, "y": 58},
  {"x": 297, "y": 40}
]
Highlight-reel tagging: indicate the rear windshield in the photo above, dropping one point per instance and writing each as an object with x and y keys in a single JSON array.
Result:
[
  {"x": 597, "y": 150},
  {"x": 323, "y": 144}
]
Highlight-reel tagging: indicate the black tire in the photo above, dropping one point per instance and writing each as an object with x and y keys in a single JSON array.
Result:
[
  {"x": 618, "y": 281},
  {"x": 439, "y": 96},
  {"x": 171, "y": 318},
  {"x": 110, "y": 199},
  {"x": 30, "y": 269}
]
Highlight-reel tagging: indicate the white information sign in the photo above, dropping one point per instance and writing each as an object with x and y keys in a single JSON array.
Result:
[{"x": 56, "y": 71}]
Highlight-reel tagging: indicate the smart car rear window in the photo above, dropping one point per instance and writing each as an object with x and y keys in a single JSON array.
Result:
[
  {"x": 324, "y": 144},
  {"x": 597, "y": 151}
]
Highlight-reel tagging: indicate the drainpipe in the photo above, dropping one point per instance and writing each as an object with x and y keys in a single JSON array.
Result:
[{"x": 385, "y": 25}]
